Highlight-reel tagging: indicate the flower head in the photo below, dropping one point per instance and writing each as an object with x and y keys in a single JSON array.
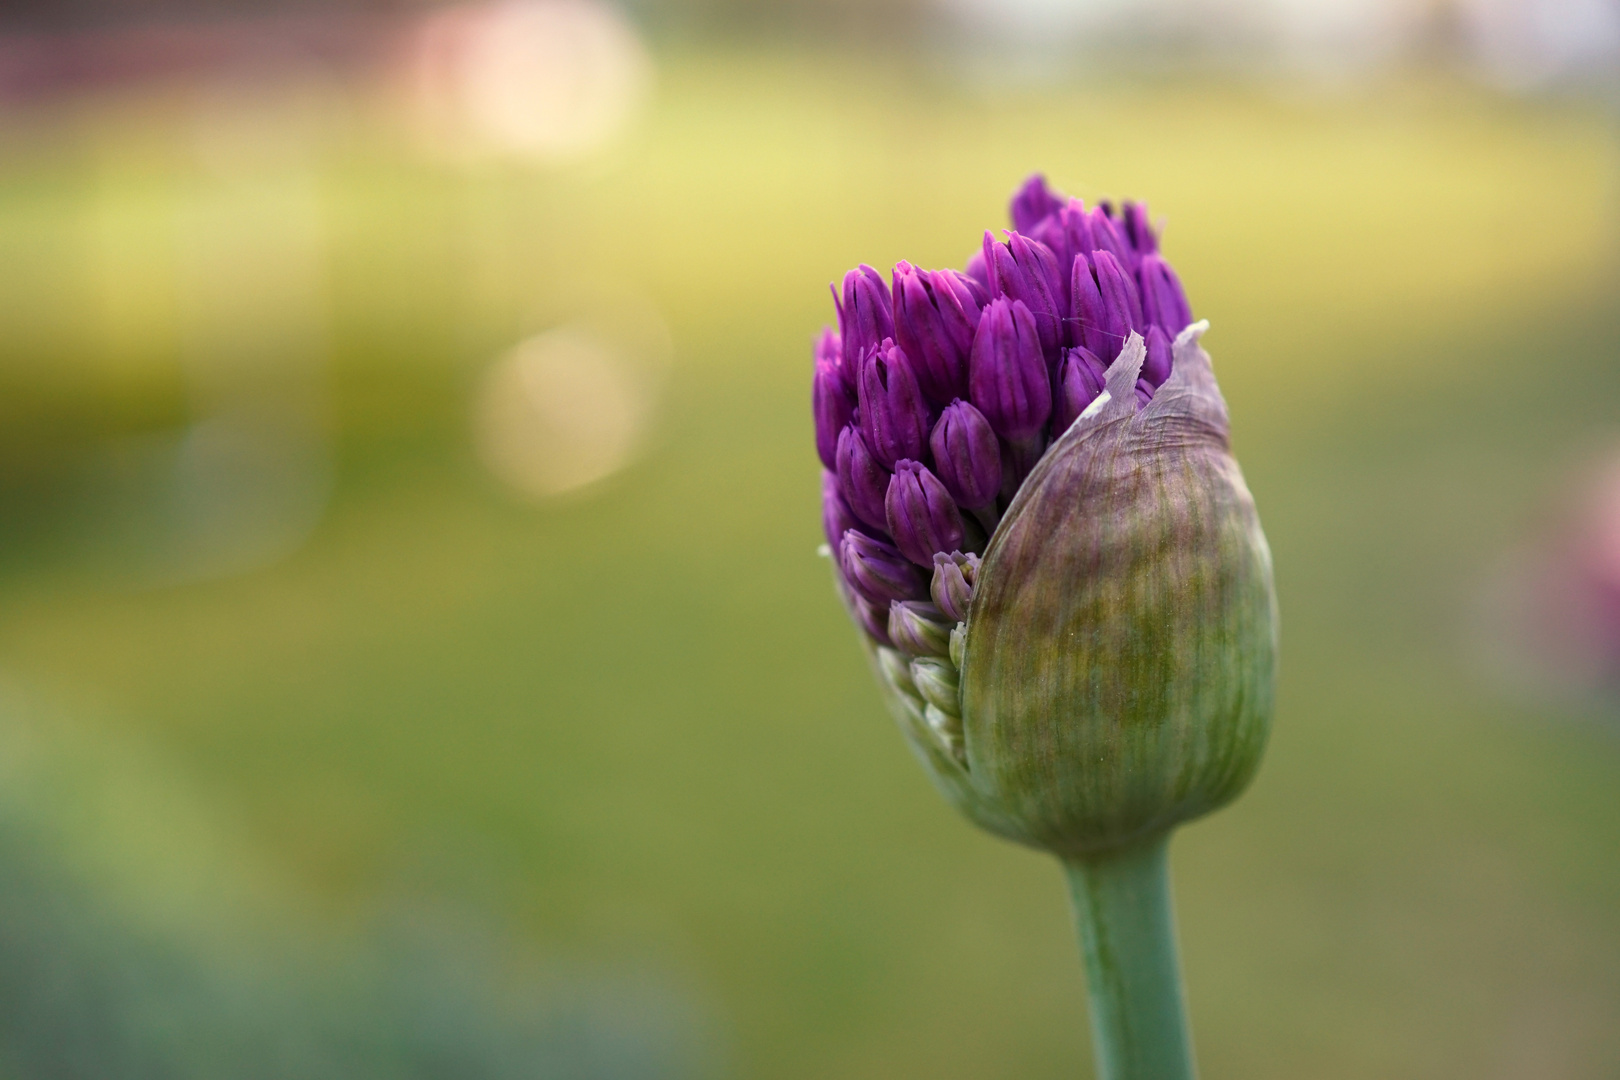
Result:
[{"x": 1042, "y": 533}]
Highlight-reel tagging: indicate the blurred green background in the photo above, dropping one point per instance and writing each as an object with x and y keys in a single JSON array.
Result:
[{"x": 324, "y": 751}]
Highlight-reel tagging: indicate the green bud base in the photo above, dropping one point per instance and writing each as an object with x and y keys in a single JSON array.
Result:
[{"x": 1128, "y": 935}]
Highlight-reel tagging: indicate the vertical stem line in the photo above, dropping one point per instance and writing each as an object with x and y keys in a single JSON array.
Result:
[{"x": 1128, "y": 936}]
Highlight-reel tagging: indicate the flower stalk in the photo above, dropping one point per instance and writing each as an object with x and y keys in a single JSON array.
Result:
[{"x": 1122, "y": 904}]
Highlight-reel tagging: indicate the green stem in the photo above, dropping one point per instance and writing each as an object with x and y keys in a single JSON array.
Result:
[{"x": 1128, "y": 935}]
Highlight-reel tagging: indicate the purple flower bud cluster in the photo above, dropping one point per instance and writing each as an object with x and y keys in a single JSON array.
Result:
[{"x": 941, "y": 389}]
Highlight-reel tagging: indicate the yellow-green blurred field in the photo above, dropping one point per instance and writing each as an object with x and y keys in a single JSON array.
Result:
[{"x": 631, "y": 727}]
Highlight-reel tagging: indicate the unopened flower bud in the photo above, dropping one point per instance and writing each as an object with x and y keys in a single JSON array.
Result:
[
  {"x": 958, "y": 644},
  {"x": 1007, "y": 377},
  {"x": 978, "y": 272},
  {"x": 1068, "y": 233},
  {"x": 952, "y": 587},
  {"x": 936, "y": 681},
  {"x": 918, "y": 628},
  {"x": 862, "y": 479},
  {"x": 836, "y": 516},
  {"x": 1033, "y": 202},
  {"x": 1163, "y": 301},
  {"x": 1156, "y": 366},
  {"x": 1080, "y": 381},
  {"x": 1138, "y": 229},
  {"x": 1107, "y": 236},
  {"x": 922, "y": 517},
  {"x": 873, "y": 618},
  {"x": 1114, "y": 644},
  {"x": 934, "y": 319},
  {"x": 1026, "y": 270},
  {"x": 894, "y": 417},
  {"x": 896, "y": 667},
  {"x": 877, "y": 570},
  {"x": 946, "y": 729},
  {"x": 831, "y": 397},
  {"x": 865, "y": 317},
  {"x": 1121, "y": 303},
  {"x": 967, "y": 457}
]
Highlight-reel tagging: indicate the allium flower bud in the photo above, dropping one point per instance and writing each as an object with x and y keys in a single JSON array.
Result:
[
  {"x": 862, "y": 478},
  {"x": 1080, "y": 381},
  {"x": 1107, "y": 236},
  {"x": 865, "y": 317},
  {"x": 1026, "y": 270},
  {"x": 969, "y": 292},
  {"x": 1122, "y": 303},
  {"x": 873, "y": 618},
  {"x": 918, "y": 628},
  {"x": 937, "y": 684},
  {"x": 934, "y": 319},
  {"x": 952, "y": 587},
  {"x": 1156, "y": 364},
  {"x": 922, "y": 517},
  {"x": 978, "y": 271},
  {"x": 877, "y": 570},
  {"x": 1033, "y": 202},
  {"x": 1163, "y": 302},
  {"x": 967, "y": 457},
  {"x": 1116, "y": 640},
  {"x": 832, "y": 397},
  {"x": 1007, "y": 377},
  {"x": 836, "y": 516},
  {"x": 1138, "y": 230},
  {"x": 894, "y": 417}
]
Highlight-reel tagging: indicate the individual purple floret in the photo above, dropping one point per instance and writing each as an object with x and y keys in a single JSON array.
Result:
[
  {"x": 1156, "y": 366},
  {"x": 1163, "y": 302},
  {"x": 1007, "y": 377},
  {"x": 935, "y": 315},
  {"x": 832, "y": 397},
  {"x": 1026, "y": 270},
  {"x": 1033, "y": 202},
  {"x": 967, "y": 456},
  {"x": 877, "y": 570},
  {"x": 894, "y": 417},
  {"x": 918, "y": 628},
  {"x": 865, "y": 317},
  {"x": 1138, "y": 230},
  {"x": 1079, "y": 383},
  {"x": 1122, "y": 304},
  {"x": 873, "y": 618},
  {"x": 952, "y": 586},
  {"x": 922, "y": 516},
  {"x": 836, "y": 516},
  {"x": 1109, "y": 237},
  {"x": 862, "y": 478},
  {"x": 934, "y": 400}
]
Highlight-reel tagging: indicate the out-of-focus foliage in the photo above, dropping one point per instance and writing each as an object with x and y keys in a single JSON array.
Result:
[
  {"x": 632, "y": 724},
  {"x": 135, "y": 943}
]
